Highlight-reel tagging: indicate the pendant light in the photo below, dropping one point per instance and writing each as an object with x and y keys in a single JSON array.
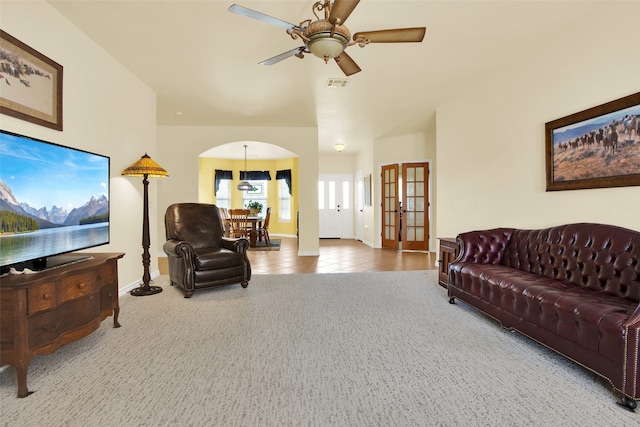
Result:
[{"x": 244, "y": 185}]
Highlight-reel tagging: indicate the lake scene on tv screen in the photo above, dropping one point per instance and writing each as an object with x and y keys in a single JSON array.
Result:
[{"x": 53, "y": 199}]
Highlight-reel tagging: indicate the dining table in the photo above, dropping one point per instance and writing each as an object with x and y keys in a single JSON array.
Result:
[{"x": 256, "y": 222}]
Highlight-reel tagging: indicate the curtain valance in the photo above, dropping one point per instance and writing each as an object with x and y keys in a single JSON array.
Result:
[
  {"x": 255, "y": 176},
  {"x": 221, "y": 174}
]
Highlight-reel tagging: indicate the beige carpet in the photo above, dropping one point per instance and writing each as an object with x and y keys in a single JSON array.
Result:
[{"x": 352, "y": 349}]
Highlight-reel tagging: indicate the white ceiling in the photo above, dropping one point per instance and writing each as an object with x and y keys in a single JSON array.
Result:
[{"x": 203, "y": 61}]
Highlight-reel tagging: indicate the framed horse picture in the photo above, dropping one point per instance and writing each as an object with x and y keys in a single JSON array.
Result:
[{"x": 595, "y": 148}]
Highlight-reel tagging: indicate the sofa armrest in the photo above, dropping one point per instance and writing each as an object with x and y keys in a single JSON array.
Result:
[
  {"x": 634, "y": 320},
  {"x": 483, "y": 247},
  {"x": 631, "y": 373},
  {"x": 240, "y": 245}
]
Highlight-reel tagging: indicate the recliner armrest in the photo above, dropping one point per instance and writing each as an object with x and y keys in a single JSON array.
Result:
[
  {"x": 240, "y": 245},
  {"x": 178, "y": 248}
]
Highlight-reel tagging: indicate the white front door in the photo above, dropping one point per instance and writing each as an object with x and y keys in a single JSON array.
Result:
[{"x": 335, "y": 203}]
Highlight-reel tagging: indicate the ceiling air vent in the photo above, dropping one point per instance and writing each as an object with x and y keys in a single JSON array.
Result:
[{"x": 337, "y": 82}]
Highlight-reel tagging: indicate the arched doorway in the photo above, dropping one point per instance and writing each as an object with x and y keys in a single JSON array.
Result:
[{"x": 269, "y": 191}]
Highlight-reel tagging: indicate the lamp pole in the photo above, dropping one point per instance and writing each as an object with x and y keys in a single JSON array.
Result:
[{"x": 146, "y": 288}]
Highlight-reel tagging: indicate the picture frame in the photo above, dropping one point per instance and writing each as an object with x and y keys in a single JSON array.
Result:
[
  {"x": 256, "y": 191},
  {"x": 595, "y": 148},
  {"x": 30, "y": 84}
]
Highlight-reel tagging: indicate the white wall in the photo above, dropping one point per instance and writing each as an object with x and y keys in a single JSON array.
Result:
[
  {"x": 364, "y": 163},
  {"x": 490, "y": 140},
  {"x": 106, "y": 110},
  {"x": 336, "y": 163},
  {"x": 179, "y": 147}
]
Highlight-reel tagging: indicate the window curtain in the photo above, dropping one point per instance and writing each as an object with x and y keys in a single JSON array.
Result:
[
  {"x": 255, "y": 176},
  {"x": 220, "y": 174},
  {"x": 286, "y": 175}
]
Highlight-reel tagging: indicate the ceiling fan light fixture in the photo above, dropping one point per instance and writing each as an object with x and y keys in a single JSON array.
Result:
[
  {"x": 325, "y": 40},
  {"x": 326, "y": 47}
]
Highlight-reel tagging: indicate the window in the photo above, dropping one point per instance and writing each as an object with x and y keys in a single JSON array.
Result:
[
  {"x": 284, "y": 201},
  {"x": 222, "y": 196},
  {"x": 258, "y": 194},
  {"x": 320, "y": 194},
  {"x": 332, "y": 195},
  {"x": 221, "y": 193},
  {"x": 345, "y": 194}
]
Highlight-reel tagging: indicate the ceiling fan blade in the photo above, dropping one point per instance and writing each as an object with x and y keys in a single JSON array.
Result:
[
  {"x": 399, "y": 35},
  {"x": 283, "y": 56},
  {"x": 240, "y": 10},
  {"x": 346, "y": 64},
  {"x": 341, "y": 10}
]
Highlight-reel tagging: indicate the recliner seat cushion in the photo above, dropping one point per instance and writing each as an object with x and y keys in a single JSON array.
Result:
[{"x": 213, "y": 259}]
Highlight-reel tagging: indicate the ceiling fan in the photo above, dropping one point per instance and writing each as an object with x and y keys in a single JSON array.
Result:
[{"x": 327, "y": 37}]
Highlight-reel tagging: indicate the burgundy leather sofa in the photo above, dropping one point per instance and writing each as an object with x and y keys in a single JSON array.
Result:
[{"x": 574, "y": 288}]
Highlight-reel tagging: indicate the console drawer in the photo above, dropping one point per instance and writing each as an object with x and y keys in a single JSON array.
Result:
[
  {"x": 78, "y": 285},
  {"x": 46, "y": 327},
  {"x": 41, "y": 297},
  {"x": 107, "y": 274},
  {"x": 108, "y": 297}
]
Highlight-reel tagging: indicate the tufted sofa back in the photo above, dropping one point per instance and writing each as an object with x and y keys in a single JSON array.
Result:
[
  {"x": 197, "y": 223},
  {"x": 596, "y": 256}
]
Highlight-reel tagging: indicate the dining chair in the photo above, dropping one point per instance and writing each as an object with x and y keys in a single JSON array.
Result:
[
  {"x": 239, "y": 223},
  {"x": 226, "y": 221},
  {"x": 263, "y": 230}
]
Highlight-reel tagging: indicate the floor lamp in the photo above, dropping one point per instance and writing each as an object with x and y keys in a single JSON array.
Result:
[{"x": 146, "y": 168}]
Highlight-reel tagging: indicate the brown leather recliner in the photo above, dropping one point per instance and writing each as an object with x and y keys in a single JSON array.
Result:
[{"x": 199, "y": 254}]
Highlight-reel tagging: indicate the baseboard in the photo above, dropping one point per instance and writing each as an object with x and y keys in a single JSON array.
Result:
[
  {"x": 308, "y": 253},
  {"x": 137, "y": 283},
  {"x": 370, "y": 244},
  {"x": 292, "y": 236}
]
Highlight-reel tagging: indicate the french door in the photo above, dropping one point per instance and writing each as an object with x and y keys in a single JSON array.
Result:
[
  {"x": 411, "y": 226},
  {"x": 415, "y": 206},
  {"x": 390, "y": 212}
]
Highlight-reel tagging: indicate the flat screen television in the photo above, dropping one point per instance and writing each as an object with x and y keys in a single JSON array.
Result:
[{"x": 53, "y": 200}]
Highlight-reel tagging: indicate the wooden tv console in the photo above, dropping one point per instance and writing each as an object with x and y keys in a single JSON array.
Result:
[{"x": 40, "y": 312}]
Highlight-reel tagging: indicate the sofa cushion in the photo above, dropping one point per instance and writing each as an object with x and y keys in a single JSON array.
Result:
[{"x": 590, "y": 318}]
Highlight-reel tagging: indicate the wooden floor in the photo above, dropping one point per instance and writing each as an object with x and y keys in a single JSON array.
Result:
[{"x": 336, "y": 256}]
